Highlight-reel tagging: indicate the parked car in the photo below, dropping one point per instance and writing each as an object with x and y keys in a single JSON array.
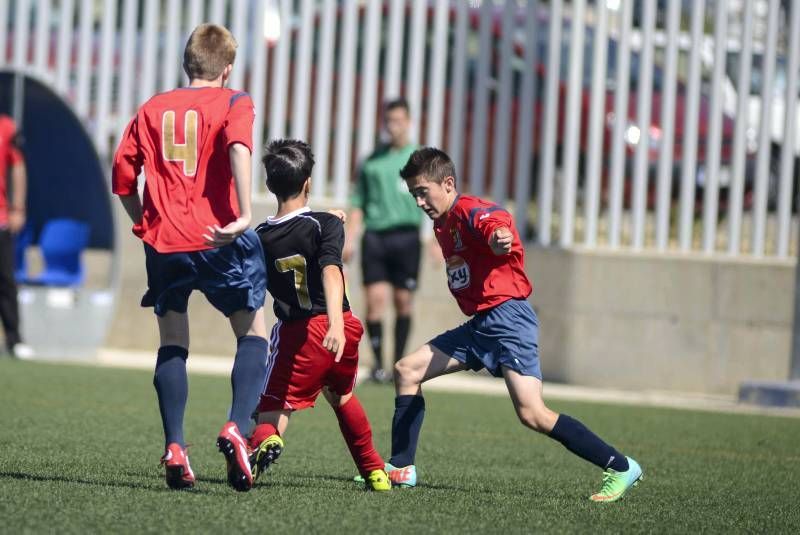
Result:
[
  {"x": 777, "y": 125},
  {"x": 632, "y": 136}
]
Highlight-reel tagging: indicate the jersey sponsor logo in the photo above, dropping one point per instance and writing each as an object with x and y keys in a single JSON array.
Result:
[
  {"x": 185, "y": 152},
  {"x": 457, "y": 273}
]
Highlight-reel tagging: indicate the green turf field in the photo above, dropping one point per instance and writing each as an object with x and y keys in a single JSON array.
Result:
[{"x": 80, "y": 449}]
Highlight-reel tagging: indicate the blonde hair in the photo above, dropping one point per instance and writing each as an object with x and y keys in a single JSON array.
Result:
[{"x": 208, "y": 51}]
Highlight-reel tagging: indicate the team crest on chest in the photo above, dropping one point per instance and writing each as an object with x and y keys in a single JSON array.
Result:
[
  {"x": 457, "y": 273},
  {"x": 458, "y": 244}
]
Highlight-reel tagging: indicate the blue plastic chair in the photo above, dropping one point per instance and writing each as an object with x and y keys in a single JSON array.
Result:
[
  {"x": 62, "y": 241},
  {"x": 21, "y": 243}
]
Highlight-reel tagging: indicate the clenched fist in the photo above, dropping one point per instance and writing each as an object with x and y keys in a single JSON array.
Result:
[{"x": 500, "y": 242}]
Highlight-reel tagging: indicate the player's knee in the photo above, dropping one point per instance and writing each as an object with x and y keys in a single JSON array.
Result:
[
  {"x": 405, "y": 372},
  {"x": 336, "y": 400},
  {"x": 534, "y": 418},
  {"x": 402, "y": 305}
]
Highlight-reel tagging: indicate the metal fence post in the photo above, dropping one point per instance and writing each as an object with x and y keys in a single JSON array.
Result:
[{"x": 794, "y": 365}]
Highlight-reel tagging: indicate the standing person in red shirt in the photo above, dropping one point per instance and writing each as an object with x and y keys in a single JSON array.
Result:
[
  {"x": 485, "y": 273},
  {"x": 195, "y": 144},
  {"x": 12, "y": 219}
]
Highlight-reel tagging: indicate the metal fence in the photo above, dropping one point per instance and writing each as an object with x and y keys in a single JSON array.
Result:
[{"x": 640, "y": 125}]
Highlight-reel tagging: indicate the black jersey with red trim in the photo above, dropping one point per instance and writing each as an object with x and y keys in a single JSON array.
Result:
[{"x": 297, "y": 246}]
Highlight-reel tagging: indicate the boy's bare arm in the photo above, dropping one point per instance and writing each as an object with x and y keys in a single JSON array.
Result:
[
  {"x": 241, "y": 161},
  {"x": 352, "y": 231},
  {"x": 133, "y": 207},
  {"x": 16, "y": 215},
  {"x": 333, "y": 284}
]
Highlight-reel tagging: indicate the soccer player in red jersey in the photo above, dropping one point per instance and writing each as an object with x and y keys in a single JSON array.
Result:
[
  {"x": 194, "y": 144},
  {"x": 314, "y": 344},
  {"x": 485, "y": 273}
]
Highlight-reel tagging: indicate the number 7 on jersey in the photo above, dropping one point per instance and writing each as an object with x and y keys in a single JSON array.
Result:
[{"x": 297, "y": 263}]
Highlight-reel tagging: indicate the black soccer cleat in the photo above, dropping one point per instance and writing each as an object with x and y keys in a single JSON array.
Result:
[{"x": 265, "y": 454}]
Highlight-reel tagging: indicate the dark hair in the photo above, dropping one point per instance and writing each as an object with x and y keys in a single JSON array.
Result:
[
  {"x": 397, "y": 103},
  {"x": 430, "y": 162},
  {"x": 288, "y": 163}
]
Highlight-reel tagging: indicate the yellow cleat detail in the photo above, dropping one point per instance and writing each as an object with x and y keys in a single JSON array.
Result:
[{"x": 378, "y": 480}]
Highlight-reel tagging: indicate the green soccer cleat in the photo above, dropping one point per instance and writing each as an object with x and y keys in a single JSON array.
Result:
[
  {"x": 378, "y": 480},
  {"x": 405, "y": 477},
  {"x": 616, "y": 484},
  {"x": 265, "y": 454}
]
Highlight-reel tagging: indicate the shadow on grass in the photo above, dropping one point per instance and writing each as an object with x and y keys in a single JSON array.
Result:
[
  {"x": 305, "y": 481},
  {"x": 82, "y": 481}
]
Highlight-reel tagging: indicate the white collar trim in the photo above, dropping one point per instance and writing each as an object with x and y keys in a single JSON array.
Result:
[{"x": 271, "y": 220}]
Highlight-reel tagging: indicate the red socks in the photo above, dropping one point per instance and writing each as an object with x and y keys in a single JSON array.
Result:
[
  {"x": 356, "y": 431},
  {"x": 261, "y": 433},
  {"x": 358, "y": 435}
]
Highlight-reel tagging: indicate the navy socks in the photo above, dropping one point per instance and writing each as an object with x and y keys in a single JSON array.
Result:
[
  {"x": 172, "y": 387},
  {"x": 402, "y": 326},
  {"x": 409, "y": 411},
  {"x": 247, "y": 379},
  {"x": 578, "y": 439},
  {"x": 375, "y": 333}
]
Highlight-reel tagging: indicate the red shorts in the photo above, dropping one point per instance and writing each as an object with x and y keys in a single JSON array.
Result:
[{"x": 299, "y": 366}]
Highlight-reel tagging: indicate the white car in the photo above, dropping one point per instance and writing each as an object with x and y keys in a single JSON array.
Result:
[{"x": 777, "y": 102}]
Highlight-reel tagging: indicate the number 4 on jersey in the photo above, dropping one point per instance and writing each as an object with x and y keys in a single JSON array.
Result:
[{"x": 180, "y": 152}]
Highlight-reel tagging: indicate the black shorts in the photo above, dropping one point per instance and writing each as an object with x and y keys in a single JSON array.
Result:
[{"x": 391, "y": 256}]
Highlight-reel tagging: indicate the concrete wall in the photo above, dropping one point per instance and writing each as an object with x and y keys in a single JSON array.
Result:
[
  {"x": 671, "y": 322},
  {"x": 685, "y": 323}
]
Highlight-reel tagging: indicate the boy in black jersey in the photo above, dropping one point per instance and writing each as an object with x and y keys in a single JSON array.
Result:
[{"x": 314, "y": 344}]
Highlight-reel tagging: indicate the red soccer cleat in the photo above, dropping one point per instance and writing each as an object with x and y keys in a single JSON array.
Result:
[
  {"x": 234, "y": 447},
  {"x": 179, "y": 473}
]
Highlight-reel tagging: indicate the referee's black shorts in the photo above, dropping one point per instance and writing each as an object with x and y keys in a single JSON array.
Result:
[{"x": 391, "y": 256}]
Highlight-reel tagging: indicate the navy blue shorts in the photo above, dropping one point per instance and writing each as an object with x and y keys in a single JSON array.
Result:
[
  {"x": 232, "y": 277},
  {"x": 507, "y": 335}
]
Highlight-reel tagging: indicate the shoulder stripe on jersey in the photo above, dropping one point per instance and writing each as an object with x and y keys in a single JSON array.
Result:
[
  {"x": 488, "y": 210},
  {"x": 236, "y": 97},
  {"x": 314, "y": 219}
]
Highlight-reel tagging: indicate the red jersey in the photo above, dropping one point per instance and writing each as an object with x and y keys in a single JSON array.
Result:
[
  {"x": 181, "y": 138},
  {"x": 479, "y": 279},
  {"x": 9, "y": 156}
]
